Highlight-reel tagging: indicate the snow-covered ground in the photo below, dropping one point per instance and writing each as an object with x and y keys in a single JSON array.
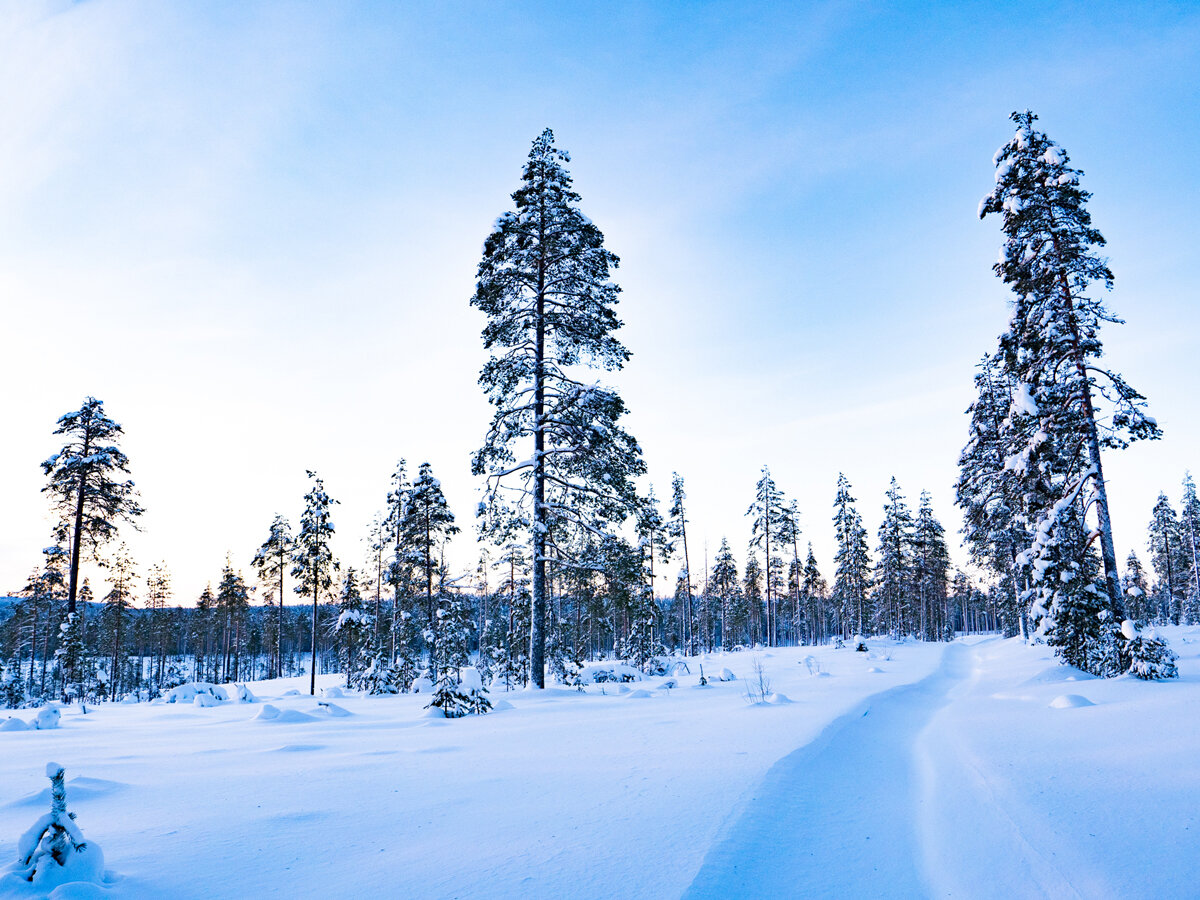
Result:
[{"x": 915, "y": 770}]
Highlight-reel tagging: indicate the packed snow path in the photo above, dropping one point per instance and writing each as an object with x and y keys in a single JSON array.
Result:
[{"x": 839, "y": 816}]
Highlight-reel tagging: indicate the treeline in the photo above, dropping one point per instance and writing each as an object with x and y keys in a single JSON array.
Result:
[{"x": 577, "y": 543}]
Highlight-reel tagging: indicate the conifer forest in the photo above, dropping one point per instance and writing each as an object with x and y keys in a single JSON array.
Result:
[{"x": 592, "y": 679}]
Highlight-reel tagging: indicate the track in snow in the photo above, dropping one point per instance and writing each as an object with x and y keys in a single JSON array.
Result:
[{"x": 838, "y": 817}]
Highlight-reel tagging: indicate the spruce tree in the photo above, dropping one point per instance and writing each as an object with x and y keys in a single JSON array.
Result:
[
  {"x": 894, "y": 566},
  {"x": 1137, "y": 597},
  {"x": 85, "y": 486},
  {"x": 677, "y": 529},
  {"x": 814, "y": 592},
  {"x": 1051, "y": 354},
  {"x": 1168, "y": 555},
  {"x": 768, "y": 531},
  {"x": 352, "y": 628},
  {"x": 931, "y": 568},
  {"x": 232, "y": 602},
  {"x": 1189, "y": 527},
  {"x": 115, "y": 618},
  {"x": 313, "y": 562},
  {"x": 989, "y": 491},
  {"x": 271, "y": 562},
  {"x": 555, "y": 457},
  {"x": 852, "y": 579},
  {"x": 429, "y": 524}
]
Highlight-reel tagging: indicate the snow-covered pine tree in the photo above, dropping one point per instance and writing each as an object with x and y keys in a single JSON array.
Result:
[
  {"x": 1150, "y": 657},
  {"x": 312, "y": 559},
  {"x": 931, "y": 568},
  {"x": 12, "y": 687},
  {"x": 71, "y": 657},
  {"x": 988, "y": 491},
  {"x": 232, "y": 604},
  {"x": 1168, "y": 555},
  {"x": 814, "y": 593},
  {"x": 115, "y": 618},
  {"x": 429, "y": 524},
  {"x": 769, "y": 530},
  {"x": 893, "y": 577},
  {"x": 271, "y": 562},
  {"x": 723, "y": 585},
  {"x": 1051, "y": 354},
  {"x": 399, "y": 572},
  {"x": 852, "y": 579},
  {"x": 1137, "y": 596},
  {"x": 544, "y": 285},
  {"x": 53, "y": 851},
  {"x": 352, "y": 629},
  {"x": 84, "y": 485},
  {"x": 750, "y": 606},
  {"x": 452, "y": 643},
  {"x": 1189, "y": 528},
  {"x": 790, "y": 535},
  {"x": 677, "y": 529}
]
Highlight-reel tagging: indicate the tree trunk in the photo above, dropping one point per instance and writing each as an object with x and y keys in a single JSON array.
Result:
[{"x": 537, "y": 633}]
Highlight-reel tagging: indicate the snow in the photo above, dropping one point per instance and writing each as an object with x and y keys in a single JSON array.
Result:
[
  {"x": 1070, "y": 701},
  {"x": 905, "y": 782}
]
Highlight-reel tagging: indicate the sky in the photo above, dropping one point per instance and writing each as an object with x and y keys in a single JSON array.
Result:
[{"x": 252, "y": 229}]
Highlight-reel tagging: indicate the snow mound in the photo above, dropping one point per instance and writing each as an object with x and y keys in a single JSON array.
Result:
[
  {"x": 669, "y": 684},
  {"x": 14, "y": 724},
  {"x": 79, "y": 890},
  {"x": 421, "y": 685},
  {"x": 291, "y": 693},
  {"x": 242, "y": 694},
  {"x": 874, "y": 669},
  {"x": 205, "y": 700},
  {"x": 1070, "y": 701},
  {"x": 333, "y": 710},
  {"x": 726, "y": 675},
  {"x": 1059, "y": 673},
  {"x": 434, "y": 712},
  {"x": 270, "y": 713},
  {"x": 46, "y": 718},
  {"x": 639, "y": 694},
  {"x": 498, "y": 705},
  {"x": 778, "y": 699},
  {"x": 332, "y": 692}
]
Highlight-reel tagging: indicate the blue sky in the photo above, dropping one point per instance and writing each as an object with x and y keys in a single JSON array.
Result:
[{"x": 252, "y": 230}]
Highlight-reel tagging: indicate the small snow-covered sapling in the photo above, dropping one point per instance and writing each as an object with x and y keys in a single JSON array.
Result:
[{"x": 53, "y": 851}]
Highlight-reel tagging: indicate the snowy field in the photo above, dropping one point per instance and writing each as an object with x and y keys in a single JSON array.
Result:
[{"x": 974, "y": 769}]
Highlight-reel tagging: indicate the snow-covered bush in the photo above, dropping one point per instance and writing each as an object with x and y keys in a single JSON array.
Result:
[
  {"x": 381, "y": 677},
  {"x": 46, "y": 718},
  {"x": 53, "y": 851},
  {"x": 460, "y": 692},
  {"x": 860, "y": 645},
  {"x": 1150, "y": 657},
  {"x": 187, "y": 693},
  {"x": 602, "y": 673}
]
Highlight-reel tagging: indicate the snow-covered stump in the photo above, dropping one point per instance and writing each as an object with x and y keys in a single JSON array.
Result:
[{"x": 53, "y": 852}]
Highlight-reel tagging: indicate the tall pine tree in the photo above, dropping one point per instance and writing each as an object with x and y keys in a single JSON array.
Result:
[
  {"x": 544, "y": 284},
  {"x": 1051, "y": 354},
  {"x": 312, "y": 559}
]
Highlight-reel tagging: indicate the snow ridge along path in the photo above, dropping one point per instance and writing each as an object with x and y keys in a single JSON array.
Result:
[{"x": 839, "y": 816}]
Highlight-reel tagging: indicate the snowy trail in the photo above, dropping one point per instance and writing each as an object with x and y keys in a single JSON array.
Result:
[{"x": 839, "y": 816}]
